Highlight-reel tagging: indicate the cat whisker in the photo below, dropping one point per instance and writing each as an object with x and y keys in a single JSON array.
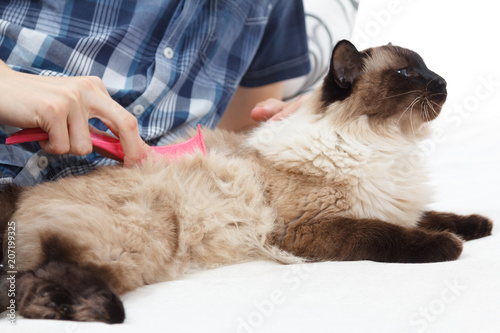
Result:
[
  {"x": 411, "y": 118},
  {"x": 409, "y": 106},
  {"x": 427, "y": 112},
  {"x": 436, "y": 104},
  {"x": 402, "y": 114},
  {"x": 436, "y": 94},
  {"x": 397, "y": 95},
  {"x": 429, "y": 102},
  {"x": 423, "y": 107}
]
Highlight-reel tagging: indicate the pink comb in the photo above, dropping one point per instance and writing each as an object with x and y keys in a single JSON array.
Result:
[{"x": 113, "y": 145}]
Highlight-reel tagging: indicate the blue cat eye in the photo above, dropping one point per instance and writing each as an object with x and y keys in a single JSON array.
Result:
[{"x": 403, "y": 71}]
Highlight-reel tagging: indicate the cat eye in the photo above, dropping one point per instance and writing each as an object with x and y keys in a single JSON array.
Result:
[{"x": 403, "y": 71}]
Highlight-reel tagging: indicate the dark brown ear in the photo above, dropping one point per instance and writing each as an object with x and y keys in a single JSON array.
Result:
[{"x": 346, "y": 64}]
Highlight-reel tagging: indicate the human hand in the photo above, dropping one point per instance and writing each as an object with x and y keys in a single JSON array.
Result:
[
  {"x": 275, "y": 109},
  {"x": 62, "y": 106}
]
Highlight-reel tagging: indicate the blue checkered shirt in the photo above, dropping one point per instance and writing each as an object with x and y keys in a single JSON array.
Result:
[{"x": 173, "y": 64}]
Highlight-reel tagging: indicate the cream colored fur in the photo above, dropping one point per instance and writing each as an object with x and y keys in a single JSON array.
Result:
[
  {"x": 153, "y": 223},
  {"x": 163, "y": 219},
  {"x": 386, "y": 179}
]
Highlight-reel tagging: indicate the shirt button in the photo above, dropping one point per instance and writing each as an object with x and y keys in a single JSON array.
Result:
[
  {"x": 42, "y": 162},
  {"x": 138, "y": 110},
  {"x": 168, "y": 53}
]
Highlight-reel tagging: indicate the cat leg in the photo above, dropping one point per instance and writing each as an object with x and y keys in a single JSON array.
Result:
[
  {"x": 42, "y": 299},
  {"x": 343, "y": 238},
  {"x": 9, "y": 194},
  {"x": 62, "y": 290},
  {"x": 466, "y": 226}
]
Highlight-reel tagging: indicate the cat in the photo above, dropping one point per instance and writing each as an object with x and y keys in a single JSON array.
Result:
[{"x": 333, "y": 181}]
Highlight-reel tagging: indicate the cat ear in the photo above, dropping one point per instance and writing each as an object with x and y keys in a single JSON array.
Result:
[{"x": 346, "y": 64}]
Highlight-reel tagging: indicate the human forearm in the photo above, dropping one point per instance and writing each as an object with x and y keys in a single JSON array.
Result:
[
  {"x": 250, "y": 106},
  {"x": 238, "y": 114}
]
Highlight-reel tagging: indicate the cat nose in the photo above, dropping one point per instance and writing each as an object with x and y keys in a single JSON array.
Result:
[
  {"x": 438, "y": 84},
  {"x": 441, "y": 82}
]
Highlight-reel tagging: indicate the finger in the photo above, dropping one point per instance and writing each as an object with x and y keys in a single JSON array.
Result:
[
  {"x": 68, "y": 130},
  {"x": 117, "y": 119},
  {"x": 267, "y": 109},
  {"x": 95, "y": 130},
  {"x": 290, "y": 108},
  {"x": 101, "y": 151},
  {"x": 271, "y": 102},
  {"x": 260, "y": 114},
  {"x": 124, "y": 126},
  {"x": 58, "y": 142},
  {"x": 79, "y": 135}
]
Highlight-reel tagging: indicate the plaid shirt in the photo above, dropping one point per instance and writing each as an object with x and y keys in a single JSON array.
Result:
[{"x": 173, "y": 64}]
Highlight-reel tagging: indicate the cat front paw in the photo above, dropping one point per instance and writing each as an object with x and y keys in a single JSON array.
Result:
[
  {"x": 474, "y": 226},
  {"x": 466, "y": 226},
  {"x": 448, "y": 246},
  {"x": 436, "y": 247}
]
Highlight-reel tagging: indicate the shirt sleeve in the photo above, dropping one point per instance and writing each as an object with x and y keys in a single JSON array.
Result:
[{"x": 283, "y": 53}]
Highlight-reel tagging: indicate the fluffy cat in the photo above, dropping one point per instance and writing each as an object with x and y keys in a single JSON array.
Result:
[{"x": 333, "y": 181}]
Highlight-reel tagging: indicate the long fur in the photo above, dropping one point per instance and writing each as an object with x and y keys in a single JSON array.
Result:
[
  {"x": 386, "y": 181},
  {"x": 337, "y": 180}
]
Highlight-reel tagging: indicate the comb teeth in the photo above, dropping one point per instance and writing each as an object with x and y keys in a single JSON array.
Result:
[{"x": 187, "y": 147}]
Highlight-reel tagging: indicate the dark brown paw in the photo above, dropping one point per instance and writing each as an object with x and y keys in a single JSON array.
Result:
[
  {"x": 466, "y": 226},
  {"x": 66, "y": 291},
  {"x": 474, "y": 226},
  {"x": 45, "y": 299},
  {"x": 437, "y": 247},
  {"x": 448, "y": 246}
]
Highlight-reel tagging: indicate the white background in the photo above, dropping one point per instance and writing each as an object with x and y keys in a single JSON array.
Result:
[{"x": 458, "y": 40}]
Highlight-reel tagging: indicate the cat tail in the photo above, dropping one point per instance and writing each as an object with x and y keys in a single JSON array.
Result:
[
  {"x": 271, "y": 252},
  {"x": 9, "y": 195},
  {"x": 283, "y": 257}
]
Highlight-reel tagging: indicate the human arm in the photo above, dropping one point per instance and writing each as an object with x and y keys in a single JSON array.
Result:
[
  {"x": 238, "y": 114},
  {"x": 265, "y": 77},
  {"x": 62, "y": 106},
  {"x": 250, "y": 106}
]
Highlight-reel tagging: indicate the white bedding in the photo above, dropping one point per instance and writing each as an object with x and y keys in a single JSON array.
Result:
[{"x": 458, "y": 40}]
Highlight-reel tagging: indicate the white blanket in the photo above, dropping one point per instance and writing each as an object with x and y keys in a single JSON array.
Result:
[{"x": 458, "y": 40}]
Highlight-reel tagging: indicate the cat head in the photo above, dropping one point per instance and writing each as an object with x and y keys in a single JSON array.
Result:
[{"x": 389, "y": 87}]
